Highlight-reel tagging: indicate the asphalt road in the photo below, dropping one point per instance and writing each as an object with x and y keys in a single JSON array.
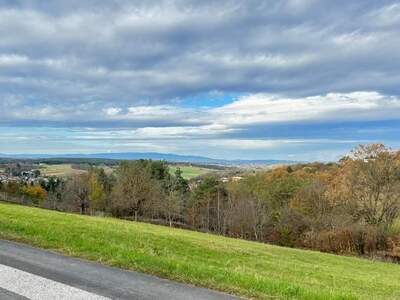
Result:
[{"x": 30, "y": 273}]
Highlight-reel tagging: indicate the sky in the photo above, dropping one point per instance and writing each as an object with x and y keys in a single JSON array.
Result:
[{"x": 296, "y": 79}]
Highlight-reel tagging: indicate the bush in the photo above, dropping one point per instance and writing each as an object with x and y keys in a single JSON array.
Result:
[
  {"x": 393, "y": 252},
  {"x": 36, "y": 193},
  {"x": 291, "y": 228},
  {"x": 355, "y": 239}
]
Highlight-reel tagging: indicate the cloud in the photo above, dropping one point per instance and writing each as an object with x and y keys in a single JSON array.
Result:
[
  {"x": 264, "y": 108},
  {"x": 247, "y": 110},
  {"x": 134, "y": 68},
  {"x": 152, "y": 52},
  {"x": 243, "y": 113},
  {"x": 111, "y": 111}
]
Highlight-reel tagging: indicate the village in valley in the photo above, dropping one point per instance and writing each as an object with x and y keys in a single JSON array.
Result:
[{"x": 27, "y": 174}]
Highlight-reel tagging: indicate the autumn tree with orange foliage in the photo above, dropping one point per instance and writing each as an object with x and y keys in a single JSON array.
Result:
[
  {"x": 36, "y": 193},
  {"x": 369, "y": 185}
]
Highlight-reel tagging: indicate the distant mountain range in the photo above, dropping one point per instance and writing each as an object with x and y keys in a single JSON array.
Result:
[{"x": 149, "y": 155}]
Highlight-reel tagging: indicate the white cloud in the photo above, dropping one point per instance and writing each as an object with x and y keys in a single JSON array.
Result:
[
  {"x": 254, "y": 109},
  {"x": 112, "y": 111},
  {"x": 388, "y": 15},
  {"x": 12, "y": 59},
  {"x": 155, "y": 111},
  {"x": 265, "y": 108}
]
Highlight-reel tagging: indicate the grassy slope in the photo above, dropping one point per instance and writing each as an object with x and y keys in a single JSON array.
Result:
[
  {"x": 236, "y": 266},
  {"x": 189, "y": 172}
]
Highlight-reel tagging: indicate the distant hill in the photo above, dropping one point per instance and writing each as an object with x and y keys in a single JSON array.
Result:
[{"x": 149, "y": 155}]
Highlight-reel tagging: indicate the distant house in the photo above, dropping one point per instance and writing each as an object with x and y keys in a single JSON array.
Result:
[
  {"x": 224, "y": 179},
  {"x": 236, "y": 178}
]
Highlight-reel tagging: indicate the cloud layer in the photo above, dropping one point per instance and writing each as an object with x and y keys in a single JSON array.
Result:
[
  {"x": 154, "y": 51},
  {"x": 217, "y": 71}
]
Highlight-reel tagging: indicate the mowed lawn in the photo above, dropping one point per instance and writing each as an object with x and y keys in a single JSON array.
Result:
[
  {"x": 249, "y": 269},
  {"x": 189, "y": 172}
]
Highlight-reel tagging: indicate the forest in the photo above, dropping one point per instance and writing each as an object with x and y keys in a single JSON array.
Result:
[{"x": 350, "y": 207}]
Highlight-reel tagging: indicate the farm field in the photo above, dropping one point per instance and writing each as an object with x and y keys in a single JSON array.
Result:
[
  {"x": 66, "y": 170},
  {"x": 189, "y": 172},
  {"x": 245, "y": 268},
  {"x": 62, "y": 170}
]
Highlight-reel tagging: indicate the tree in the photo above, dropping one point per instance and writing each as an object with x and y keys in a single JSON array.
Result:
[
  {"x": 36, "y": 193},
  {"x": 134, "y": 187},
  {"x": 171, "y": 206},
  {"x": 248, "y": 210},
  {"x": 369, "y": 184},
  {"x": 77, "y": 192},
  {"x": 56, "y": 189},
  {"x": 204, "y": 205},
  {"x": 13, "y": 188},
  {"x": 96, "y": 193},
  {"x": 312, "y": 201},
  {"x": 180, "y": 184}
]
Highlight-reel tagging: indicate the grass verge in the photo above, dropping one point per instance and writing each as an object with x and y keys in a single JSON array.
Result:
[{"x": 239, "y": 267}]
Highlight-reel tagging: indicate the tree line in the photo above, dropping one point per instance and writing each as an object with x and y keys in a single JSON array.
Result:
[{"x": 348, "y": 207}]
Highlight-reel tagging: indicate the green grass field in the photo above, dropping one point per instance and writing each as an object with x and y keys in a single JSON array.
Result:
[
  {"x": 189, "y": 172},
  {"x": 240, "y": 267}
]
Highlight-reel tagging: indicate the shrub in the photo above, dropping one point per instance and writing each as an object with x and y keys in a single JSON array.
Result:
[{"x": 355, "y": 239}]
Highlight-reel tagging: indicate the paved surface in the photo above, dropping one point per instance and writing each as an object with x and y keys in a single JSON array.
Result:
[
  {"x": 7, "y": 295},
  {"x": 30, "y": 273}
]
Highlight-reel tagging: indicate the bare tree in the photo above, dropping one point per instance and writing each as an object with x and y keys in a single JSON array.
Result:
[
  {"x": 170, "y": 207},
  {"x": 370, "y": 184},
  {"x": 133, "y": 188},
  {"x": 77, "y": 192}
]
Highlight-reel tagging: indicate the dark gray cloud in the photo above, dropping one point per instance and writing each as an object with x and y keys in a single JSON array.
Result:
[{"x": 158, "y": 51}]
